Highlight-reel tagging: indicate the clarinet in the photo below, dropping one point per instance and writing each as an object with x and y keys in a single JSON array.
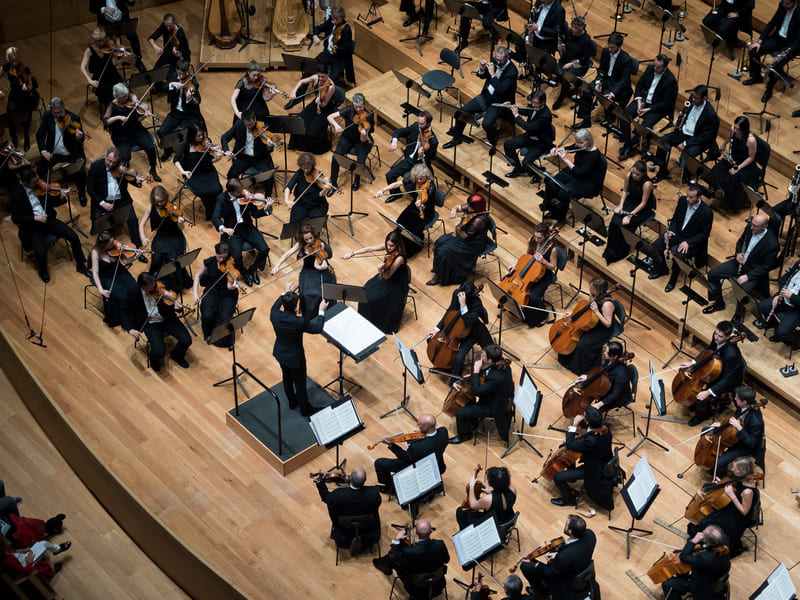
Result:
[
  {"x": 727, "y": 153},
  {"x": 794, "y": 205}
]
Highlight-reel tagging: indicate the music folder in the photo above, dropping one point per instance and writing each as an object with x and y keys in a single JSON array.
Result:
[
  {"x": 476, "y": 541},
  {"x": 417, "y": 479}
]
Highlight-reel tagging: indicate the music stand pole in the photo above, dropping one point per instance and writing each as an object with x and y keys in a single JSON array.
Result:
[
  {"x": 637, "y": 243},
  {"x": 689, "y": 274},
  {"x": 646, "y": 433},
  {"x": 521, "y": 439},
  {"x": 354, "y": 168},
  {"x": 419, "y": 38},
  {"x": 404, "y": 401},
  {"x": 246, "y": 39}
]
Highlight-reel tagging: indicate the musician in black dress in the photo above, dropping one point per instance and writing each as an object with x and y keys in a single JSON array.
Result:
[
  {"x": 99, "y": 67},
  {"x": 196, "y": 165},
  {"x": 614, "y": 79},
  {"x": 733, "y": 367},
  {"x": 710, "y": 563},
  {"x": 786, "y": 305},
  {"x": 728, "y": 18},
  {"x": 536, "y": 137},
  {"x": 545, "y": 254},
  {"x": 595, "y": 450},
  {"x": 498, "y": 501},
  {"x": 23, "y": 96},
  {"x": 455, "y": 255},
  {"x": 575, "y": 51},
  {"x": 387, "y": 290},
  {"x": 687, "y": 236},
  {"x": 183, "y": 95},
  {"x": 620, "y": 393},
  {"x": 339, "y": 45},
  {"x": 490, "y": 11},
  {"x": 582, "y": 176},
  {"x": 125, "y": 124},
  {"x": 58, "y": 144},
  {"x": 749, "y": 425},
  {"x": 355, "y": 138},
  {"x": 493, "y": 387},
  {"x": 168, "y": 241},
  {"x": 111, "y": 277},
  {"x": 110, "y": 13},
  {"x": 233, "y": 218},
  {"x": 174, "y": 44},
  {"x": 218, "y": 301},
  {"x": 422, "y": 207},
  {"x": 555, "y": 577},
  {"x": 250, "y": 152},
  {"x": 741, "y": 169},
  {"x": 420, "y": 147},
  {"x": 316, "y": 111},
  {"x": 252, "y": 92},
  {"x": 637, "y": 203},
  {"x": 310, "y": 188},
  {"x": 587, "y": 353},
  {"x": 434, "y": 442}
]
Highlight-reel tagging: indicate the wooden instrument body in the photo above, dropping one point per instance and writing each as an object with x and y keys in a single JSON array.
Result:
[
  {"x": 459, "y": 396},
  {"x": 224, "y": 23},
  {"x": 478, "y": 489},
  {"x": 558, "y": 460},
  {"x": 667, "y": 566},
  {"x": 712, "y": 444},
  {"x": 582, "y": 394},
  {"x": 290, "y": 23},
  {"x": 687, "y": 383},
  {"x": 705, "y": 503},
  {"x": 518, "y": 285},
  {"x": 443, "y": 346},
  {"x": 565, "y": 333}
]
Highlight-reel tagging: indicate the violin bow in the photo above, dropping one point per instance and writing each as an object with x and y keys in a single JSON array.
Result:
[
  {"x": 138, "y": 103},
  {"x": 705, "y": 431}
]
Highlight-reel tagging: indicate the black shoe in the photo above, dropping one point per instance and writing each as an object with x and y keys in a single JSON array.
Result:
[
  {"x": 254, "y": 276},
  {"x": 460, "y": 439},
  {"x": 774, "y": 338},
  {"x": 657, "y": 274},
  {"x": 355, "y": 186},
  {"x": 166, "y": 155},
  {"x": 142, "y": 259},
  {"x": 669, "y": 287},
  {"x": 27, "y": 145},
  {"x": 694, "y": 421},
  {"x": 661, "y": 175},
  {"x": 425, "y": 32},
  {"x": 390, "y": 199},
  {"x": 181, "y": 362},
  {"x": 535, "y": 179},
  {"x": 753, "y": 81},
  {"x": 562, "y": 502},
  {"x": 411, "y": 20},
  {"x": 246, "y": 279},
  {"x": 382, "y": 564},
  {"x": 451, "y": 144},
  {"x": 155, "y": 176},
  {"x": 330, "y": 192},
  {"x": 82, "y": 200},
  {"x": 585, "y": 124},
  {"x": 516, "y": 172},
  {"x": 557, "y": 104},
  {"x": 764, "y": 98},
  {"x": 625, "y": 152},
  {"x": 712, "y": 308},
  {"x": 796, "y": 113}
]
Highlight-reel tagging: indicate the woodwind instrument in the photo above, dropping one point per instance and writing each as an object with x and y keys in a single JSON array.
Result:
[
  {"x": 532, "y": 18},
  {"x": 726, "y": 154},
  {"x": 684, "y": 114},
  {"x": 794, "y": 208}
]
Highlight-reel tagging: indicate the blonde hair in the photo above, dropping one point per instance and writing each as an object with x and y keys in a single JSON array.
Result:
[
  {"x": 584, "y": 136},
  {"x": 99, "y": 34},
  {"x": 421, "y": 169}
]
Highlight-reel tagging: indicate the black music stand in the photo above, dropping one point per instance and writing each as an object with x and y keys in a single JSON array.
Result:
[
  {"x": 638, "y": 503},
  {"x": 65, "y": 172},
  {"x": 690, "y": 274},
  {"x": 528, "y": 401},
  {"x": 367, "y": 20},
  {"x": 543, "y": 64},
  {"x": 117, "y": 30},
  {"x": 354, "y": 168},
  {"x": 183, "y": 261},
  {"x": 760, "y": 114},
  {"x": 657, "y": 397},
  {"x": 617, "y": 16},
  {"x": 612, "y": 111},
  {"x": 581, "y": 87},
  {"x": 248, "y": 10},
  {"x": 148, "y": 78},
  {"x": 403, "y": 231},
  {"x": 511, "y": 38},
  {"x": 697, "y": 172},
  {"x": 419, "y": 38},
  {"x": 410, "y": 365},
  {"x": 173, "y": 139},
  {"x": 590, "y": 220},
  {"x": 108, "y": 221},
  {"x": 638, "y": 244},
  {"x": 743, "y": 300},
  {"x": 666, "y": 17},
  {"x": 648, "y": 137},
  {"x": 289, "y": 231},
  {"x": 284, "y": 124},
  {"x": 505, "y": 301},
  {"x": 410, "y": 84},
  {"x": 292, "y": 62}
]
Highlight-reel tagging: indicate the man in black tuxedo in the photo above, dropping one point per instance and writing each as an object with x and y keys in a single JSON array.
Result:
[
  {"x": 288, "y": 349},
  {"x": 547, "y": 21},
  {"x": 184, "y": 105},
  {"x": 414, "y": 151},
  {"x": 248, "y": 151},
  {"x": 654, "y": 98},
  {"x": 339, "y": 45},
  {"x": 697, "y": 133},
  {"x": 112, "y": 12},
  {"x": 781, "y": 37},
  {"x": 595, "y": 449},
  {"x": 57, "y": 145},
  {"x": 614, "y": 80},
  {"x": 687, "y": 236},
  {"x": 733, "y": 367},
  {"x": 424, "y": 556},
  {"x": 728, "y": 18},
  {"x": 537, "y": 137},
  {"x": 36, "y": 219},
  {"x": 500, "y": 74},
  {"x": 786, "y": 304},
  {"x": 492, "y": 395},
  {"x": 555, "y": 577},
  {"x": 749, "y": 425},
  {"x": 235, "y": 224},
  {"x": 357, "y": 499},
  {"x": 575, "y": 54},
  {"x": 434, "y": 442},
  {"x": 149, "y": 315},
  {"x": 756, "y": 251},
  {"x": 490, "y": 11},
  {"x": 709, "y": 565}
]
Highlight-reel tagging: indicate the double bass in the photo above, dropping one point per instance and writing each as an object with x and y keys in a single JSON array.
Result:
[
  {"x": 566, "y": 332},
  {"x": 527, "y": 272},
  {"x": 596, "y": 385},
  {"x": 224, "y": 23},
  {"x": 692, "y": 380}
]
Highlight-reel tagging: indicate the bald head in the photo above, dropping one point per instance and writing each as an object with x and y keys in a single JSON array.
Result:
[
  {"x": 426, "y": 423},
  {"x": 423, "y": 529},
  {"x": 358, "y": 477},
  {"x": 759, "y": 223}
]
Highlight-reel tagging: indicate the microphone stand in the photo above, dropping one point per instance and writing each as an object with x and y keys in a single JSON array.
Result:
[{"x": 419, "y": 38}]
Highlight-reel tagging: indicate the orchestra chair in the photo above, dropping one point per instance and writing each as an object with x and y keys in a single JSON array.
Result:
[
  {"x": 763, "y": 152},
  {"x": 611, "y": 470},
  {"x": 355, "y": 523},
  {"x": 423, "y": 584},
  {"x": 586, "y": 583},
  {"x": 491, "y": 245},
  {"x": 248, "y": 247},
  {"x": 439, "y": 80},
  {"x": 50, "y": 242},
  {"x": 561, "y": 262},
  {"x": 439, "y": 200},
  {"x": 409, "y": 298},
  {"x": 484, "y": 423},
  {"x": 507, "y": 531},
  {"x": 633, "y": 378},
  {"x": 756, "y": 520},
  {"x": 27, "y": 587},
  {"x": 722, "y": 588},
  {"x": 618, "y": 323}
]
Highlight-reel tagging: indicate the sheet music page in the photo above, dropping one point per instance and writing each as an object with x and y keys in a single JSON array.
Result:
[
  {"x": 407, "y": 358},
  {"x": 413, "y": 481},
  {"x": 780, "y": 586},
  {"x": 331, "y": 423},
  {"x": 347, "y": 415},
  {"x": 39, "y": 549},
  {"x": 489, "y": 535},
  {"x": 474, "y": 541},
  {"x": 352, "y": 331},
  {"x": 644, "y": 482}
]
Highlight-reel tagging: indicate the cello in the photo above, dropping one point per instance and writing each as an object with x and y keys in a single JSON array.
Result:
[
  {"x": 224, "y": 23},
  {"x": 445, "y": 344},
  {"x": 527, "y": 272},
  {"x": 713, "y": 443},
  {"x": 461, "y": 393},
  {"x": 566, "y": 331},
  {"x": 596, "y": 385},
  {"x": 671, "y": 564},
  {"x": 562, "y": 458},
  {"x": 477, "y": 489},
  {"x": 713, "y": 497},
  {"x": 692, "y": 380}
]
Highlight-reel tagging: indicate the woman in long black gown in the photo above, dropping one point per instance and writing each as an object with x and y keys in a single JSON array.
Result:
[
  {"x": 742, "y": 146},
  {"x": 250, "y": 94},
  {"x": 589, "y": 351},
  {"x": 548, "y": 258},
  {"x": 168, "y": 241},
  {"x": 100, "y": 68},
  {"x": 454, "y": 256},
  {"x": 23, "y": 97},
  {"x": 388, "y": 289},
  {"x": 197, "y": 167},
  {"x": 422, "y": 207},
  {"x": 111, "y": 277},
  {"x": 636, "y": 204}
]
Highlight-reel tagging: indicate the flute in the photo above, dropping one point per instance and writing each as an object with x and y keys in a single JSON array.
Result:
[{"x": 519, "y": 107}]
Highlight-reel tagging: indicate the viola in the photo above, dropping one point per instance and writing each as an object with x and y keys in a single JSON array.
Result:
[
  {"x": 120, "y": 172},
  {"x": 712, "y": 444},
  {"x": 692, "y": 380},
  {"x": 477, "y": 488},
  {"x": 596, "y": 385},
  {"x": 563, "y": 458},
  {"x": 72, "y": 126},
  {"x": 397, "y": 439},
  {"x": 232, "y": 274},
  {"x": 173, "y": 40},
  {"x": 208, "y": 146},
  {"x": 108, "y": 47},
  {"x": 318, "y": 248},
  {"x": 44, "y": 189},
  {"x": 23, "y": 75},
  {"x": 188, "y": 85},
  {"x": 168, "y": 297},
  {"x": 566, "y": 332},
  {"x": 527, "y": 272},
  {"x": 261, "y": 81},
  {"x": 443, "y": 346},
  {"x": 259, "y": 130},
  {"x": 14, "y": 156},
  {"x": 322, "y": 88},
  {"x": 713, "y": 497},
  {"x": 386, "y": 266},
  {"x": 553, "y": 545},
  {"x": 120, "y": 249}
]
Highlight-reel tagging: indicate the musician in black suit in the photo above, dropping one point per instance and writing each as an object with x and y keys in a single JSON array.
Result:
[
  {"x": 339, "y": 45},
  {"x": 218, "y": 302},
  {"x": 546, "y": 23},
  {"x": 728, "y": 18},
  {"x": 687, "y": 236},
  {"x": 357, "y": 499},
  {"x": 288, "y": 349},
  {"x": 620, "y": 394},
  {"x": 424, "y": 556},
  {"x": 614, "y": 80},
  {"x": 35, "y": 217},
  {"x": 595, "y": 449},
  {"x": 653, "y": 99},
  {"x": 733, "y": 367},
  {"x": 184, "y": 104},
  {"x": 58, "y": 145},
  {"x": 781, "y": 37},
  {"x": 500, "y": 74},
  {"x": 416, "y": 135},
  {"x": 697, "y": 132},
  {"x": 490, "y": 11},
  {"x": 434, "y": 442},
  {"x": 107, "y": 192},
  {"x": 112, "y": 12},
  {"x": 492, "y": 395},
  {"x": 749, "y": 424},
  {"x": 512, "y": 587},
  {"x": 175, "y": 45},
  {"x": 786, "y": 306},
  {"x": 575, "y": 55},
  {"x": 235, "y": 223},
  {"x": 150, "y": 315},
  {"x": 756, "y": 251},
  {"x": 555, "y": 577},
  {"x": 710, "y": 564},
  {"x": 248, "y": 151},
  {"x": 537, "y": 137}
]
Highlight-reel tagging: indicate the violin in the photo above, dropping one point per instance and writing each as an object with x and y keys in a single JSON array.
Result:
[
  {"x": 553, "y": 545},
  {"x": 261, "y": 81},
  {"x": 322, "y": 88},
  {"x": 161, "y": 293},
  {"x": 318, "y": 177},
  {"x": 461, "y": 393},
  {"x": 670, "y": 564},
  {"x": 566, "y": 332},
  {"x": 14, "y": 157},
  {"x": 259, "y": 130},
  {"x": 171, "y": 211},
  {"x": 596, "y": 385},
  {"x": 232, "y": 274},
  {"x": 484, "y": 592},
  {"x": 397, "y": 439},
  {"x": 108, "y": 47},
  {"x": 563, "y": 458},
  {"x": 318, "y": 248},
  {"x": 188, "y": 85},
  {"x": 140, "y": 108},
  {"x": 248, "y": 199},
  {"x": 425, "y": 146},
  {"x": 208, "y": 146},
  {"x": 44, "y": 189},
  {"x": 692, "y": 380},
  {"x": 174, "y": 41},
  {"x": 23, "y": 75},
  {"x": 383, "y": 272},
  {"x": 422, "y": 194},
  {"x": 334, "y": 476},
  {"x": 477, "y": 488},
  {"x": 443, "y": 346},
  {"x": 361, "y": 120},
  {"x": 120, "y": 172},
  {"x": 527, "y": 272},
  {"x": 120, "y": 249},
  {"x": 72, "y": 126},
  {"x": 713, "y": 497},
  {"x": 712, "y": 444}
]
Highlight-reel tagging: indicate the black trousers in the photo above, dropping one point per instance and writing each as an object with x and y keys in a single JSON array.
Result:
[
  {"x": 468, "y": 416},
  {"x": 677, "y": 137},
  {"x": 535, "y": 148},
  {"x": 156, "y": 334},
  {"x": 726, "y": 27},
  {"x": 36, "y": 236},
  {"x": 676, "y": 586},
  {"x": 79, "y": 178},
  {"x": 789, "y": 317},
  {"x": 141, "y": 138},
  {"x": 768, "y": 46},
  {"x": 216, "y": 309},
  {"x": 648, "y": 120},
  {"x": 491, "y": 114},
  {"x": 255, "y": 238},
  {"x": 346, "y": 145},
  {"x": 726, "y": 270},
  {"x": 133, "y": 226},
  {"x": 243, "y": 162},
  {"x": 177, "y": 120},
  {"x": 401, "y": 168},
  {"x": 384, "y": 467},
  {"x": 563, "y": 478},
  {"x": 676, "y": 240},
  {"x": 294, "y": 386}
]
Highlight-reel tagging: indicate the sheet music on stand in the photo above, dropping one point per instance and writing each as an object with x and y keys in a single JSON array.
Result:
[
  {"x": 352, "y": 332},
  {"x": 778, "y": 586},
  {"x": 528, "y": 398},
  {"x": 476, "y": 541},
  {"x": 417, "y": 479},
  {"x": 641, "y": 489},
  {"x": 334, "y": 422},
  {"x": 657, "y": 391},
  {"x": 410, "y": 361}
]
